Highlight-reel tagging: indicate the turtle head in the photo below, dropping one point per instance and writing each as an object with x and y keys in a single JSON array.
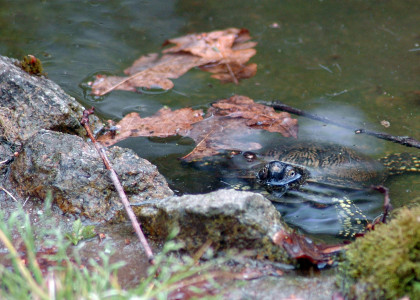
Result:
[{"x": 278, "y": 177}]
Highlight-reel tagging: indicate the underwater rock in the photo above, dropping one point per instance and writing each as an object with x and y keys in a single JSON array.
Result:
[
  {"x": 30, "y": 103},
  {"x": 226, "y": 218},
  {"x": 72, "y": 169}
]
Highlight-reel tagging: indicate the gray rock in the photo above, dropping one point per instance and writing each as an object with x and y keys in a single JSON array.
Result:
[
  {"x": 30, "y": 103},
  {"x": 75, "y": 173},
  {"x": 321, "y": 287},
  {"x": 227, "y": 218},
  {"x": 6, "y": 154}
]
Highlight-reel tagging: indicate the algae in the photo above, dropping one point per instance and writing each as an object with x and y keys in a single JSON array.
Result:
[
  {"x": 32, "y": 65},
  {"x": 385, "y": 263}
]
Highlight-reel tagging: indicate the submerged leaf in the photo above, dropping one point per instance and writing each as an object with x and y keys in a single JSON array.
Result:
[
  {"x": 228, "y": 122},
  {"x": 302, "y": 248}
]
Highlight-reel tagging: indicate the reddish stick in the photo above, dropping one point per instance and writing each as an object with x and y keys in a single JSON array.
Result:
[{"x": 118, "y": 186}]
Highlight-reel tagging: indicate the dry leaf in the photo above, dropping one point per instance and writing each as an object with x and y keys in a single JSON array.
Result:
[
  {"x": 224, "y": 53},
  {"x": 229, "y": 44}
]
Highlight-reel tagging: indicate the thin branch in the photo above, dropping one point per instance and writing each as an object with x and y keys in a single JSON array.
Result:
[
  {"x": 403, "y": 140},
  {"x": 8, "y": 193},
  {"x": 387, "y": 202},
  {"x": 124, "y": 80},
  {"x": 118, "y": 186}
]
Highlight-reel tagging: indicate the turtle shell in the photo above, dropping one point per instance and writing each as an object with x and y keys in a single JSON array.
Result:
[{"x": 330, "y": 164}]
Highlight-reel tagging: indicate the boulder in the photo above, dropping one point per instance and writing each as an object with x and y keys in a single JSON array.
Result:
[
  {"x": 226, "y": 218},
  {"x": 30, "y": 103},
  {"x": 72, "y": 169}
]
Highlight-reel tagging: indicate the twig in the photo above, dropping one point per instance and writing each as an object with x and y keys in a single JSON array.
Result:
[
  {"x": 118, "y": 186},
  {"x": 8, "y": 193},
  {"x": 403, "y": 140},
  {"x": 387, "y": 201},
  {"x": 382, "y": 218}
]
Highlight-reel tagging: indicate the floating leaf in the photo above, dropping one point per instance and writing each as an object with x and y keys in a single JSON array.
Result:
[
  {"x": 227, "y": 125},
  {"x": 223, "y": 53},
  {"x": 163, "y": 124}
]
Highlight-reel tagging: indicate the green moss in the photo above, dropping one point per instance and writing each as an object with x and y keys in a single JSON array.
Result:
[
  {"x": 32, "y": 65},
  {"x": 385, "y": 263}
]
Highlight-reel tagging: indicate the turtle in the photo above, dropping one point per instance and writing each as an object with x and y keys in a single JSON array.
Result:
[
  {"x": 291, "y": 166},
  {"x": 313, "y": 183}
]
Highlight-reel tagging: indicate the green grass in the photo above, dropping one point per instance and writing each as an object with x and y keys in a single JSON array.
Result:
[{"x": 61, "y": 276}]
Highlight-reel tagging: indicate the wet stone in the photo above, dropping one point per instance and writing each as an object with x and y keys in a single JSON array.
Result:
[
  {"x": 75, "y": 173},
  {"x": 30, "y": 103},
  {"x": 226, "y": 218}
]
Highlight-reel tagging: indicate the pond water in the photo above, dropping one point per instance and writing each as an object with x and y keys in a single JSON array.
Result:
[{"x": 357, "y": 62}]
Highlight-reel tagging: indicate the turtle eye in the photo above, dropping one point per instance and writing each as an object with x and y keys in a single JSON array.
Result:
[
  {"x": 292, "y": 173},
  {"x": 262, "y": 174},
  {"x": 249, "y": 156}
]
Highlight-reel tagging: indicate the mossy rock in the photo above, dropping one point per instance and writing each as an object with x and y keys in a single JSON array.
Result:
[{"x": 385, "y": 263}]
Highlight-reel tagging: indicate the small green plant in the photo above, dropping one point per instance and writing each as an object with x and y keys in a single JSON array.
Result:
[
  {"x": 385, "y": 263},
  {"x": 80, "y": 232},
  {"x": 32, "y": 65}
]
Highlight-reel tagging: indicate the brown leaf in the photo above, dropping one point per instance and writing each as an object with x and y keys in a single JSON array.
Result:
[
  {"x": 163, "y": 124},
  {"x": 216, "y": 133},
  {"x": 258, "y": 116},
  {"x": 302, "y": 248},
  {"x": 148, "y": 71},
  {"x": 229, "y": 72},
  {"x": 221, "y": 52},
  {"x": 228, "y": 124},
  {"x": 216, "y": 45}
]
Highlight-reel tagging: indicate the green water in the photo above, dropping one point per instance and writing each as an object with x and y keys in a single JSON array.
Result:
[{"x": 357, "y": 62}]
